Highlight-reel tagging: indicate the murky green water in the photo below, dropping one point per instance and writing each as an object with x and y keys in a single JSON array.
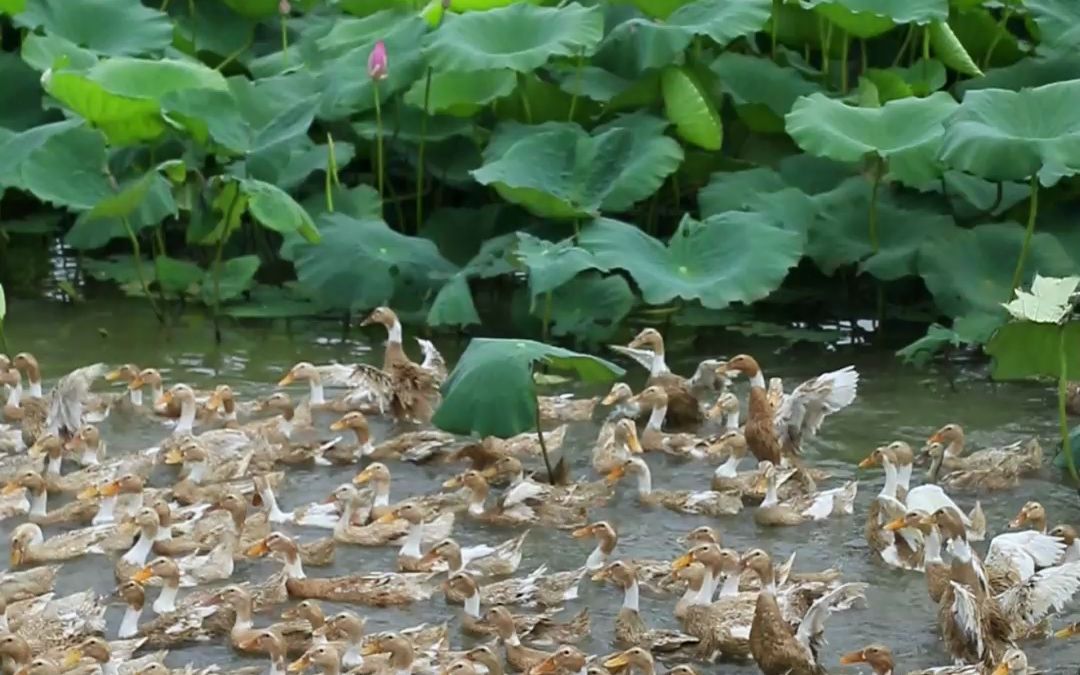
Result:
[{"x": 895, "y": 402}]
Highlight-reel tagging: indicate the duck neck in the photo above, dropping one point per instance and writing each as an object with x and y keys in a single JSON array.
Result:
[
  {"x": 656, "y": 419},
  {"x": 89, "y": 456},
  {"x": 186, "y": 423},
  {"x": 381, "y": 489},
  {"x": 393, "y": 334},
  {"x": 54, "y": 464},
  {"x": 472, "y": 605},
  {"x": 932, "y": 546},
  {"x": 771, "y": 496},
  {"x": 731, "y": 420},
  {"x": 135, "y": 396},
  {"x": 644, "y": 480},
  {"x": 129, "y": 624},
  {"x": 955, "y": 448},
  {"x": 266, "y": 494},
  {"x": 730, "y": 587},
  {"x": 197, "y": 472},
  {"x": 889, "y": 489},
  {"x": 243, "y": 616},
  {"x": 596, "y": 559},
  {"x": 166, "y": 599},
  {"x": 15, "y": 395},
  {"x": 477, "y": 499},
  {"x": 730, "y": 467},
  {"x": 705, "y": 593},
  {"x": 277, "y": 665},
  {"x": 35, "y": 386},
  {"x": 294, "y": 568},
  {"x": 758, "y": 380},
  {"x": 903, "y": 475},
  {"x": 157, "y": 392},
  {"x": 630, "y": 596},
  {"x": 110, "y": 667},
  {"x": 39, "y": 502},
  {"x": 137, "y": 554},
  {"x": 316, "y": 395},
  {"x": 411, "y": 547},
  {"x": 659, "y": 365},
  {"x": 106, "y": 511}
]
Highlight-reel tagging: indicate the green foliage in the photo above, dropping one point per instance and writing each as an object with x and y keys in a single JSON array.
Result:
[
  {"x": 491, "y": 391},
  {"x": 567, "y": 165}
]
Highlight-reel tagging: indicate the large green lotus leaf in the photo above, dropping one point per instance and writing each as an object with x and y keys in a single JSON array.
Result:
[
  {"x": 177, "y": 277},
  {"x": 763, "y": 91},
  {"x": 145, "y": 203},
  {"x": 1005, "y": 135},
  {"x": 948, "y": 47},
  {"x": 731, "y": 257},
  {"x": 276, "y": 210},
  {"x": 869, "y": 18},
  {"x": 906, "y": 133},
  {"x": 410, "y": 125},
  {"x": 978, "y": 30},
  {"x": 1058, "y": 22},
  {"x": 1023, "y": 349},
  {"x": 491, "y": 391},
  {"x": 547, "y": 102},
  {"x": 358, "y": 263},
  {"x": 558, "y": 170},
  {"x": 552, "y": 264},
  {"x": 20, "y": 94},
  {"x": 10, "y": 7},
  {"x": 520, "y": 37},
  {"x": 112, "y": 27},
  {"x": 592, "y": 82},
  {"x": 970, "y": 271},
  {"x": 261, "y": 9},
  {"x": 42, "y": 52},
  {"x": 214, "y": 29},
  {"x": 453, "y": 305},
  {"x": 1026, "y": 74},
  {"x": 18, "y": 147},
  {"x": 234, "y": 278},
  {"x": 760, "y": 191},
  {"x": 689, "y": 107},
  {"x": 271, "y": 302},
  {"x": 461, "y": 94},
  {"x": 210, "y": 117},
  {"x": 590, "y": 307},
  {"x": 460, "y": 233},
  {"x": 67, "y": 170},
  {"x": 654, "y": 44}
]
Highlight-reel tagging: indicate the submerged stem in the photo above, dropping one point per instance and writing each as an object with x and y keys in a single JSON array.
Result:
[
  {"x": 137, "y": 252},
  {"x": 1063, "y": 418},
  {"x": 1033, "y": 210},
  {"x": 776, "y": 6},
  {"x": 284, "y": 41},
  {"x": 543, "y": 445},
  {"x": 844, "y": 46},
  {"x": 577, "y": 88}
]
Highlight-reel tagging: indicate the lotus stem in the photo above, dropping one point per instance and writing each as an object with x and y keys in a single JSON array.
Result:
[
  {"x": 864, "y": 59},
  {"x": 776, "y": 6},
  {"x": 844, "y": 47},
  {"x": 543, "y": 445},
  {"x": 378, "y": 137},
  {"x": 420, "y": 153},
  {"x": 577, "y": 88},
  {"x": 137, "y": 252},
  {"x": 524, "y": 98},
  {"x": 236, "y": 54},
  {"x": 875, "y": 242},
  {"x": 826, "y": 47},
  {"x": 926, "y": 42},
  {"x": 331, "y": 172},
  {"x": 284, "y": 41},
  {"x": 1005, "y": 16},
  {"x": 1063, "y": 418},
  {"x": 1033, "y": 210},
  {"x": 3, "y": 338},
  {"x": 546, "y": 318},
  {"x": 904, "y": 45},
  {"x": 217, "y": 289}
]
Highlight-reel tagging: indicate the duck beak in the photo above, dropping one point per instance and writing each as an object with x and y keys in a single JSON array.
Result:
[
  {"x": 136, "y": 383},
  {"x": 609, "y": 399},
  {"x": 867, "y": 463},
  {"x": 935, "y": 438},
  {"x": 370, "y": 649},
  {"x": 287, "y": 380},
  {"x": 452, "y": 482},
  {"x": 582, "y": 532},
  {"x": 1068, "y": 631},
  {"x": 214, "y": 402},
  {"x": 362, "y": 477},
  {"x": 761, "y": 484},
  {"x": 489, "y": 472},
  {"x": 1015, "y": 523},
  {"x": 368, "y": 320},
  {"x": 1001, "y": 669},
  {"x": 387, "y": 517},
  {"x": 681, "y": 562},
  {"x": 174, "y": 456},
  {"x": 634, "y": 445},
  {"x": 110, "y": 489},
  {"x": 338, "y": 425},
  {"x": 852, "y": 658},
  {"x": 72, "y": 658},
  {"x": 300, "y": 664},
  {"x": 10, "y": 488},
  {"x": 617, "y": 661},
  {"x": 88, "y": 493},
  {"x": 545, "y": 667},
  {"x": 112, "y": 375},
  {"x": 601, "y": 574},
  {"x": 895, "y": 524},
  {"x": 17, "y": 555},
  {"x": 257, "y": 550},
  {"x": 615, "y": 474},
  {"x": 166, "y": 398},
  {"x": 143, "y": 575}
]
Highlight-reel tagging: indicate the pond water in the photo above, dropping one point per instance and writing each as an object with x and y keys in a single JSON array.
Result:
[{"x": 894, "y": 402}]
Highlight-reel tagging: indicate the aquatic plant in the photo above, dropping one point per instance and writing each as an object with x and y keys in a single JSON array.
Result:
[{"x": 568, "y": 166}]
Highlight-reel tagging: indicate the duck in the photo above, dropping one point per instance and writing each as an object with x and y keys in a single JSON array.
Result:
[
  {"x": 700, "y": 502},
  {"x": 800, "y": 509},
  {"x": 899, "y": 546},
  {"x": 46, "y": 623},
  {"x": 615, "y": 446},
  {"x": 322, "y": 514},
  {"x": 376, "y": 589},
  {"x": 722, "y": 627},
  {"x": 377, "y": 474},
  {"x": 880, "y": 659},
  {"x": 1068, "y": 536},
  {"x": 410, "y": 557},
  {"x": 651, "y": 573},
  {"x": 267, "y": 642},
  {"x": 49, "y": 445},
  {"x": 566, "y": 659},
  {"x": 417, "y": 530},
  {"x": 635, "y": 658},
  {"x": 727, "y": 410},
  {"x": 316, "y": 400},
  {"x": 87, "y": 442},
  {"x": 727, "y": 477},
  {"x": 566, "y": 408},
  {"x": 30, "y": 481},
  {"x": 324, "y": 656},
  {"x": 295, "y": 636},
  {"x": 523, "y": 489},
  {"x": 1023, "y": 457},
  {"x": 169, "y": 573},
  {"x": 647, "y": 348},
  {"x": 520, "y": 657},
  {"x": 775, "y": 433},
  {"x": 30, "y": 547},
  {"x": 539, "y": 628},
  {"x": 620, "y": 398},
  {"x": 101, "y": 656},
  {"x": 630, "y": 628},
  {"x": 413, "y": 391},
  {"x": 538, "y": 588},
  {"x": 543, "y": 512},
  {"x": 402, "y": 656},
  {"x": 147, "y": 522},
  {"x": 127, "y": 374},
  {"x": 1003, "y": 476},
  {"x": 18, "y": 585},
  {"x": 1032, "y": 514},
  {"x": 487, "y": 561},
  {"x": 653, "y": 439}
]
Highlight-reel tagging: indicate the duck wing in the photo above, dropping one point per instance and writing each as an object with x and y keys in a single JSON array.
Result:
[
  {"x": 1043, "y": 593},
  {"x": 65, "y": 401},
  {"x": 802, "y": 411}
]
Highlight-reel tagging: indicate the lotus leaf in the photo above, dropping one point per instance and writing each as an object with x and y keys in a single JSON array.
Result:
[
  {"x": 21, "y": 89},
  {"x": 460, "y": 233},
  {"x": 112, "y": 27},
  {"x": 937, "y": 338},
  {"x": 234, "y": 278},
  {"x": 42, "y": 52},
  {"x": 1005, "y": 135},
  {"x": 906, "y": 133},
  {"x": 592, "y": 82},
  {"x": 763, "y": 91},
  {"x": 491, "y": 391},
  {"x": 214, "y": 29},
  {"x": 762, "y": 191},
  {"x": 66, "y": 169},
  {"x": 359, "y": 263},
  {"x": 590, "y": 307},
  {"x": 1058, "y": 22},
  {"x": 727, "y": 258},
  {"x": 261, "y": 9},
  {"x": 1026, "y": 349},
  {"x": 276, "y": 210},
  {"x": 268, "y": 302},
  {"x": 688, "y": 106},
  {"x": 177, "y": 277},
  {"x": 551, "y": 265},
  {"x": 144, "y": 203},
  {"x": 461, "y": 94},
  {"x": 869, "y": 18},
  {"x": 11, "y": 7},
  {"x": 558, "y": 170},
  {"x": 951, "y": 51},
  {"x": 453, "y": 305},
  {"x": 412, "y": 125},
  {"x": 520, "y": 37},
  {"x": 1026, "y": 74},
  {"x": 970, "y": 271}
]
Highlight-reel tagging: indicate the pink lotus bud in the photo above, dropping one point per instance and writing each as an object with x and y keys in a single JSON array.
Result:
[
  {"x": 284, "y": 8},
  {"x": 377, "y": 64}
]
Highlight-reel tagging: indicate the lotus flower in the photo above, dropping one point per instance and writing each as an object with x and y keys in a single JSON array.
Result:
[
  {"x": 284, "y": 8},
  {"x": 377, "y": 65}
]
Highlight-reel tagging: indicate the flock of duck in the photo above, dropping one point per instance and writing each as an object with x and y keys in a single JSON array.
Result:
[{"x": 173, "y": 536}]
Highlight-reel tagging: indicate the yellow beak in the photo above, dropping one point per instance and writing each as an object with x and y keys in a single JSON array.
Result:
[
  {"x": 681, "y": 562},
  {"x": 167, "y": 398},
  {"x": 852, "y": 658},
  {"x": 867, "y": 462},
  {"x": 1068, "y": 631},
  {"x": 72, "y": 658},
  {"x": 370, "y": 649},
  {"x": 489, "y": 472},
  {"x": 300, "y": 664},
  {"x": 615, "y": 474},
  {"x": 174, "y": 456},
  {"x": 582, "y": 532},
  {"x": 545, "y": 667},
  {"x": 136, "y": 383},
  {"x": 17, "y": 555},
  {"x": 112, "y": 376},
  {"x": 143, "y": 575},
  {"x": 258, "y": 550},
  {"x": 11, "y": 488},
  {"x": 1018, "y": 521},
  {"x": 339, "y": 425},
  {"x": 601, "y": 574},
  {"x": 214, "y": 402},
  {"x": 452, "y": 482},
  {"x": 110, "y": 489},
  {"x": 634, "y": 444},
  {"x": 617, "y": 661},
  {"x": 88, "y": 493},
  {"x": 1001, "y": 669},
  {"x": 287, "y": 380},
  {"x": 385, "y": 518},
  {"x": 362, "y": 477},
  {"x": 935, "y": 438},
  {"x": 896, "y": 524}
]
